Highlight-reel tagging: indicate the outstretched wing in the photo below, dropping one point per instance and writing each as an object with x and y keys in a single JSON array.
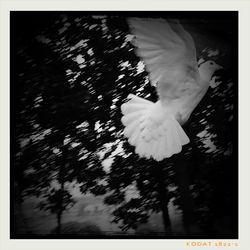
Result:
[{"x": 169, "y": 54}]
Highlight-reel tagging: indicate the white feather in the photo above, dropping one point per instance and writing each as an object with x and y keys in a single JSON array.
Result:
[
  {"x": 150, "y": 137},
  {"x": 131, "y": 128},
  {"x": 133, "y": 107},
  {"x": 130, "y": 117}
]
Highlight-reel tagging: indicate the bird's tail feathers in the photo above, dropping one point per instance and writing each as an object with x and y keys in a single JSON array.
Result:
[{"x": 158, "y": 140}]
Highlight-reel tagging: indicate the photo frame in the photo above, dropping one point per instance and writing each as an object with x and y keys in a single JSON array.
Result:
[{"x": 241, "y": 243}]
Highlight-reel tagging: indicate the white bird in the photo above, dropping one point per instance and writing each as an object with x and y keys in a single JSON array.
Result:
[{"x": 169, "y": 54}]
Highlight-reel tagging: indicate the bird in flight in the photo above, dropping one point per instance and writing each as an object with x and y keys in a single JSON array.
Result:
[{"x": 169, "y": 54}]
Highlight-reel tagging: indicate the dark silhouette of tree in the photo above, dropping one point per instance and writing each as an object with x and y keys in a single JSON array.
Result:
[{"x": 48, "y": 112}]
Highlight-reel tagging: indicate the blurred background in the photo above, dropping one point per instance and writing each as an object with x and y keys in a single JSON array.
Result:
[{"x": 73, "y": 174}]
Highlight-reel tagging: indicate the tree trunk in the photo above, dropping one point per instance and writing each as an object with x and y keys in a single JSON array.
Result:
[
  {"x": 59, "y": 223},
  {"x": 22, "y": 216},
  {"x": 164, "y": 199},
  {"x": 187, "y": 203},
  {"x": 61, "y": 180},
  {"x": 60, "y": 209}
]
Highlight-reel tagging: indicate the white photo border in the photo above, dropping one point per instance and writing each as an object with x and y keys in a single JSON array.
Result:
[{"x": 242, "y": 6}]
